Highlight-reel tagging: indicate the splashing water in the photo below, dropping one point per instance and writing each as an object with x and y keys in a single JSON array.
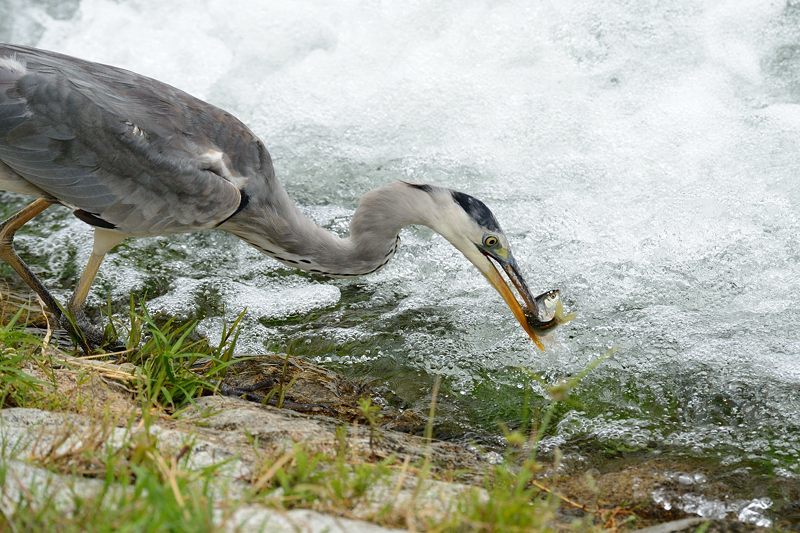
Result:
[{"x": 641, "y": 156}]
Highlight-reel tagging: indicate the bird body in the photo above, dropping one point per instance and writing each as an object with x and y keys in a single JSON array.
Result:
[
  {"x": 136, "y": 157},
  {"x": 123, "y": 147},
  {"x": 139, "y": 157}
]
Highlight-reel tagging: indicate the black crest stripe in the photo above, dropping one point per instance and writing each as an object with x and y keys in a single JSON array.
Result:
[{"x": 477, "y": 210}]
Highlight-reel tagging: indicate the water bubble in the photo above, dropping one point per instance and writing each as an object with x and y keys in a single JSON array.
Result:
[
  {"x": 752, "y": 513},
  {"x": 493, "y": 458}
]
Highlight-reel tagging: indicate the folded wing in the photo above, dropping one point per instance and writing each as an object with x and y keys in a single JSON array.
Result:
[{"x": 132, "y": 152}]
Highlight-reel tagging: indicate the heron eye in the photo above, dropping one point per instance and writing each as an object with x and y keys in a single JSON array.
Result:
[{"x": 490, "y": 241}]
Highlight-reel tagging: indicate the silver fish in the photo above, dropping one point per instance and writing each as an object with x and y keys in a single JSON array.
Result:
[{"x": 549, "y": 312}]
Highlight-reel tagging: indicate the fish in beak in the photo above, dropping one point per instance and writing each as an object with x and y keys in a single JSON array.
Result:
[
  {"x": 475, "y": 233},
  {"x": 539, "y": 314},
  {"x": 497, "y": 281},
  {"x": 482, "y": 260}
]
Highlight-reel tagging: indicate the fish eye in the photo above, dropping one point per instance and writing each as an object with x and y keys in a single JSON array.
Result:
[{"x": 490, "y": 241}]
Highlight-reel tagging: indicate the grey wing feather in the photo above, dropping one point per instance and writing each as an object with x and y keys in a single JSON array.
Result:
[{"x": 126, "y": 148}]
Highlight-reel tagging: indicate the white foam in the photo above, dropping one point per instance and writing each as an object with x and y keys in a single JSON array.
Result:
[
  {"x": 276, "y": 300},
  {"x": 641, "y": 156}
]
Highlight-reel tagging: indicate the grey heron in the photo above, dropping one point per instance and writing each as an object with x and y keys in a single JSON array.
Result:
[{"x": 135, "y": 157}]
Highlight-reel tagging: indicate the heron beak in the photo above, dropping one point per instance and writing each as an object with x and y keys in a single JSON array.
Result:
[{"x": 491, "y": 273}]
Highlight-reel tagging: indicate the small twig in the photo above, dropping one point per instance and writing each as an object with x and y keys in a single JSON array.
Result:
[
  {"x": 606, "y": 515},
  {"x": 431, "y": 416},
  {"x": 563, "y": 498},
  {"x": 48, "y": 335},
  {"x": 108, "y": 370},
  {"x": 281, "y": 389},
  {"x": 103, "y": 355},
  {"x": 262, "y": 481},
  {"x": 170, "y": 473},
  {"x": 401, "y": 479},
  {"x": 611, "y": 522},
  {"x": 425, "y": 470}
]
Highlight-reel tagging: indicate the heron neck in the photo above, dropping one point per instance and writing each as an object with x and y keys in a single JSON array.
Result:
[{"x": 276, "y": 226}]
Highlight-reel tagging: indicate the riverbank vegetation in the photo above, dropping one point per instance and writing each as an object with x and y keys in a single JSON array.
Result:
[{"x": 112, "y": 462}]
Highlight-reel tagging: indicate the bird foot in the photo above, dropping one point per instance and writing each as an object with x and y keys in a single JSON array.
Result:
[{"x": 85, "y": 334}]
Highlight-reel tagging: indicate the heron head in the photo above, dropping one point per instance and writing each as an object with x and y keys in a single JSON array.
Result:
[{"x": 471, "y": 227}]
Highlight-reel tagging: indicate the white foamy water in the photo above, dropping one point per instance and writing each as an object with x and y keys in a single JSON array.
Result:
[{"x": 642, "y": 157}]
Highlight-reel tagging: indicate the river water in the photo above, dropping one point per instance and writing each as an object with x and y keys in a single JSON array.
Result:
[{"x": 642, "y": 156}]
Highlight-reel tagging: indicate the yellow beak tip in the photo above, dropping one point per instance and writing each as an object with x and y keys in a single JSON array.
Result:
[{"x": 537, "y": 342}]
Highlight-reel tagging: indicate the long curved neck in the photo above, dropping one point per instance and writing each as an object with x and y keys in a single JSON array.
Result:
[{"x": 272, "y": 223}]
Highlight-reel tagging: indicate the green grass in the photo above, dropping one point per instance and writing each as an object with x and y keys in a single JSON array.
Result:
[
  {"x": 173, "y": 364},
  {"x": 176, "y": 365},
  {"x": 17, "y": 348},
  {"x": 513, "y": 504},
  {"x": 145, "y": 488},
  {"x": 304, "y": 478}
]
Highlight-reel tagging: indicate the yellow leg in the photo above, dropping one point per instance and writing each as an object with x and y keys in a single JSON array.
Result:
[
  {"x": 9, "y": 255},
  {"x": 104, "y": 240}
]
